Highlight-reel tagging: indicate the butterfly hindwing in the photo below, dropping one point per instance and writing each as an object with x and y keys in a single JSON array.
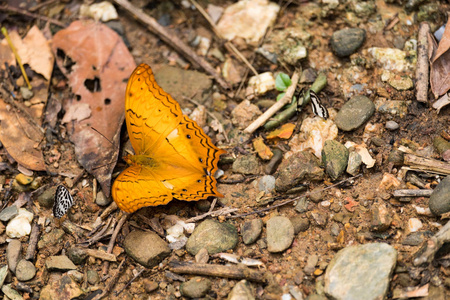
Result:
[
  {"x": 317, "y": 107},
  {"x": 63, "y": 201}
]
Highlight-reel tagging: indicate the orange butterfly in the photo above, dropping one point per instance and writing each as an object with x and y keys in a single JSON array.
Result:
[{"x": 174, "y": 157}]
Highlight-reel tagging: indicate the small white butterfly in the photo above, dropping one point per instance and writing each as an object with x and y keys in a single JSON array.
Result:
[
  {"x": 63, "y": 201},
  {"x": 317, "y": 107}
]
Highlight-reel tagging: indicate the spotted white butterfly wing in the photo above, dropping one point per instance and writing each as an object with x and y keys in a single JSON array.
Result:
[
  {"x": 317, "y": 107},
  {"x": 63, "y": 201}
]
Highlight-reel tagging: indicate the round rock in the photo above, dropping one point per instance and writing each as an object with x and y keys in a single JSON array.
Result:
[
  {"x": 147, "y": 248},
  {"x": 214, "y": 236},
  {"x": 280, "y": 234},
  {"x": 354, "y": 113},
  {"x": 251, "y": 230},
  {"x": 346, "y": 41},
  {"x": 391, "y": 125},
  {"x": 439, "y": 199},
  {"x": 197, "y": 287},
  {"x": 25, "y": 270}
]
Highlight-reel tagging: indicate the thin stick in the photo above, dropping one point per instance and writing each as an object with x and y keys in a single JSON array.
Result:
[
  {"x": 413, "y": 193},
  {"x": 235, "y": 272},
  {"x": 228, "y": 44},
  {"x": 422, "y": 71},
  {"x": 290, "y": 200},
  {"x": 40, "y": 5},
  {"x": 31, "y": 15},
  {"x": 277, "y": 106},
  {"x": 19, "y": 61},
  {"x": 112, "y": 241},
  {"x": 173, "y": 41},
  {"x": 111, "y": 283},
  {"x": 219, "y": 212},
  {"x": 34, "y": 239}
]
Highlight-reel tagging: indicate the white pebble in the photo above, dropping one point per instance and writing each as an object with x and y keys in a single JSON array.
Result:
[
  {"x": 414, "y": 225},
  {"x": 20, "y": 225}
]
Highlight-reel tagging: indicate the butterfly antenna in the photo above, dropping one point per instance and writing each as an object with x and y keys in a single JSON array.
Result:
[{"x": 102, "y": 135}]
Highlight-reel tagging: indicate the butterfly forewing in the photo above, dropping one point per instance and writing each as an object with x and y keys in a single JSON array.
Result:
[
  {"x": 317, "y": 107},
  {"x": 63, "y": 201}
]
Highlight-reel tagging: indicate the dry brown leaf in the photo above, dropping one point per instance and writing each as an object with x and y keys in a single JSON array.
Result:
[
  {"x": 97, "y": 64},
  {"x": 262, "y": 149},
  {"x": 20, "y": 138},
  {"x": 440, "y": 65}
]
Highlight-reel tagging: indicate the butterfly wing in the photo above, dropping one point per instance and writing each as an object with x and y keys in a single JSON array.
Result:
[
  {"x": 174, "y": 157},
  {"x": 63, "y": 201}
]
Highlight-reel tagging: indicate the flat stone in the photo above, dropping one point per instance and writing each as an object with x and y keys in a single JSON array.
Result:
[
  {"x": 11, "y": 293},
  {"x": 300, "y": 224},
  {"x": 25, "y": 270},
  {"x": 439, "y": 199},
  {"x": 59, "y": 263},
  {"x": 246, "y": 164},
  {"x": 3, "y": 274},
  {"x": 47, "y": 198},
  {"x": 137, "y": 243},
  {"x": 66, "y": 286},
  {"x": 354, "y": 113},
  {"x": 360, "y": 272},
  {"x": 335, "y": 158},
  {"x": 197, "y": 287},
  {"x": 241, "y": 291},
  {"x": 214, "y": 236},
  {"x": 13, "y": 254},
  {"x": 92, "y": 277},
  {"x": 280, "y": 234},
  {"x": 251, "y": 230},
  {"x": 8, "y": 213}
]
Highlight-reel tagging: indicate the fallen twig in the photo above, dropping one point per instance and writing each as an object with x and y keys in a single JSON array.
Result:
[
  {"x": 34, "y": 239},
  {"x": 234, "y": 272},
  {"x": 111, "y": 283},
  {"x": 422, "y": 70},
  {"x": 112, "y": 241},
  {"x": 31, "y": 15},
  {"x": 412, "y": 193},
  {"x": 427, "y": 164},
  {"x": 277, "y": 106},
  {"x": 215, "y": 213},
  {"x": 173, "y": 41}
]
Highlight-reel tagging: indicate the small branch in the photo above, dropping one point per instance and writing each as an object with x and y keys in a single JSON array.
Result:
[
  {"x": 173, "y": 41},
  {"x": 277, "y": 106},
  {"x": 34, "y": 239},
  {"x": 234, "y": 272},
  {"x": 112, "y": 241},
  {"x": 422, "y": 70},
  {"x": 427, "y": 164},
  {"x": 215, "y": 213},
  {"x": 111, "y": 283},
  {"x": 413, "y": 193},
  {"x": 31, "y": 15}
]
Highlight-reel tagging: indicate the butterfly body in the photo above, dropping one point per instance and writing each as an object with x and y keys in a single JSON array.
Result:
[{"x": 174, "y": 157}]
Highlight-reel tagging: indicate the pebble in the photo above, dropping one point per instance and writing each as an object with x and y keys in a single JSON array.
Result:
[
  {"x": 150, "y": 285},
  {"x": 335, "y": 158},
  {"x": 302, "y": 205},
  {"x": 300, "y": 166},
  {"x": 23, "y": 179},
  {"x": 394, "y": 108},
  {"x": 244, "y": 114},
  {"x": 241, "y": 291},
  {"x": 59, "y": 263},
  {"x": 8, "y": 213},
  {"x": 137, "y": 243},
  {"x": 102, "y": 200},
  {"x": 414, "y": 224},
  {"x": 381, "y": 218},
  {"x": 20, "y": 225},
  {"x": 439, "y": 199},
  {"x": 316, "y": 195},
  {"x": 274, "y": 162},
  {"x": 401, "y": 83},
  {"x": 392, "y": 125},
  {"x": 25, "y": 270},
  {"x": 280, "y": 234},
  {"x": 51, "y": 238},
  {"x": 197, "y": 287},
  {"x": 47, "y": 198},
  {"x": 202, "y": 256},
  {"x": 346, "y": 41},
  {"x": 11, "y": 293},
  {"x": 311, "y": 264},
  {"x": 414, "y": 239},
  {"x": 92, "y": 277},
  {"x": 3, "y": 274},
  {"x": 354, "y": 163},
  {"x": 347, "y": 274},
  {"x": 320, "y": 218},
  {"x": 300, "y": 224},
  {"x": 67, "y": 284},
  {"x": 246, "y": 164},
  {"x": 266, "y": 184},
  {"x": 251, "y": 230},
  {"x": 77, "y": 255},
  {"x": 396, "y": 157},
  {"x": 77, "y": 276},
  {"x": 13, "y": 252},
  {"x": 354, "y": 113},
  {"x": 214, "y": 236}
]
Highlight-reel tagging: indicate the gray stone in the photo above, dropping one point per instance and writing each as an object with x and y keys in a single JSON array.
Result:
[
  {"x": 280, "y": 234},
  {"x": 266, "y": 184},
  {"x": 25, "y": 270},
  {"x": 354, "y": 113},
  {"x": 414, "y": 239},
  {"x": 26, "y": 93},
  {"x": 11, "y": 293},
  {"x": 102, "y": 200},
  {"x": 3, "y": 274},
  {"x": 299, "y": 167},
  {"x": 302, "y": 205},
  {"x": 346, "y": 41},
  {"x": 360, "y": 272},
  {"x": 335, "y": 158},
  {"x": 59, "y": 263},
  {"x": 214, "y": 236},
  {"x": 440, "y": 198},
  {"x": 77, "y": 255},
  {"x": 8, "y": 213},
  {"x": 391, "y": 125},
  {"x": 311, "y": 264},
  {"x": 354, "y": 163},
  {"x": 241, "y": 291},
  {"x": 137, "y": 243},
  {"x": 92, "y": 277},
  {"x": 251, "y": 230},
  {"x": 197, "y": 287},
  {"x": 47, "y": 198},
  {"x": 13, "y": 254},
  {"x": 300, "y": 224},
  {"x": 246, "y": 164}
]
